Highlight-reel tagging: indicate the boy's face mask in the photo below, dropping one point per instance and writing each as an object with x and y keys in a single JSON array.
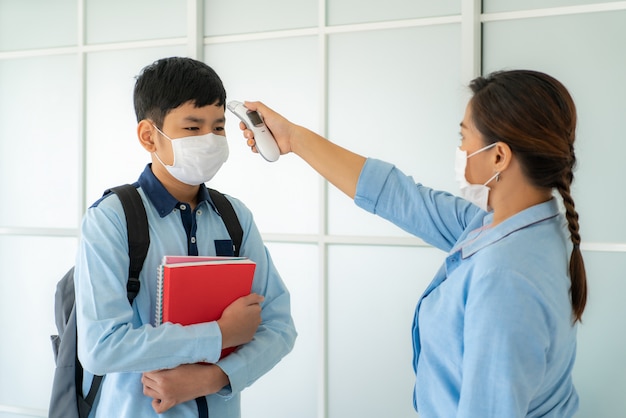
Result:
[
  {"x": 478, "y": 194},
  {"x": 196, "y": 158}
]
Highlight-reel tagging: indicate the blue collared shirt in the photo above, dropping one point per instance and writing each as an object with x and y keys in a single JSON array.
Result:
[
  {"x": 122, "y": 342},
  {"x": 493, "y": 334}
]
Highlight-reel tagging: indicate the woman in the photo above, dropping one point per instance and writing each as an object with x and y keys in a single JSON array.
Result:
[{"x": 494, "y": 334}]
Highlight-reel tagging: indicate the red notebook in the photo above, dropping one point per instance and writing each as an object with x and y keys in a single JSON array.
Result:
[{"x": 196, "y": 289}]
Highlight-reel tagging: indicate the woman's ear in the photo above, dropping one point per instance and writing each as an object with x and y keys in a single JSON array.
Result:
[
  {"x": 146, "y": 135},
  {"x": 502, "y": 157}
]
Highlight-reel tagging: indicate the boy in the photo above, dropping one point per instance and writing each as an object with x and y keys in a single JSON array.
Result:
[{"x": 180, "y": 104}]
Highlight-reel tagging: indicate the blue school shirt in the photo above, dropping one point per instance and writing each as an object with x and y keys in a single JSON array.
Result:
[
  {"x": 122, "y": 342},
  {"x": 493, "y": 334}
]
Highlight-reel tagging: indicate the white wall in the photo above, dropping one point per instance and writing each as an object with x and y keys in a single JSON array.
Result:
[{"x": 386, "y": 79}]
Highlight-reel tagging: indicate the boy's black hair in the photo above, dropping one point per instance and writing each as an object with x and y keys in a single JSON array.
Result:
[{"x": 170, "y": 82}]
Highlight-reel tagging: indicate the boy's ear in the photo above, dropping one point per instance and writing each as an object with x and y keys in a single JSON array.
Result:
[{"x": 146, "y": 135}]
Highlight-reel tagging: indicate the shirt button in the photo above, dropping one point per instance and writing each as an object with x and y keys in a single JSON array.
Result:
[
  {"x": 193, "y": 240},
  {"x": 199, "y": 212},
  {"x": 183, "y": 207}
]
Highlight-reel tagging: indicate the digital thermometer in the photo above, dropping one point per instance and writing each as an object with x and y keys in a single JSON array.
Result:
[{"x": 265, "y": 142}]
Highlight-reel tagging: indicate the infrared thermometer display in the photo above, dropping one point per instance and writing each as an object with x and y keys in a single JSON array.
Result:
[{"x": 265, "y": 142}]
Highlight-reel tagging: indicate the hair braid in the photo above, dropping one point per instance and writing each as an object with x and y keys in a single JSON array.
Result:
[
  {"x": 535, "y": 115},
  {"x": 578, "y": 275}
]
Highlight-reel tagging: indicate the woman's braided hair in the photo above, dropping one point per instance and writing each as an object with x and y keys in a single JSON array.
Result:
[{"x": 535, "y": 115}]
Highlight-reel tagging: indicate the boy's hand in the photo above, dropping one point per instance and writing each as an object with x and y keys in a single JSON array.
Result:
[
  {"x": 171, "y": 387},
  {"x": 240, "y": 320}
]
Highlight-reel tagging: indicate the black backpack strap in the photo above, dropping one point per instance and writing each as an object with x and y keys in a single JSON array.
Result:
[
  {"x": 93, "y": 391},
  {"x": 225, "y": 208},
  {"x": 138, "y": 235},
  {"x": 138, "y": 243}
]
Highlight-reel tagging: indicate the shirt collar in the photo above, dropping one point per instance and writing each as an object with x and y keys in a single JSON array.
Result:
[
  {"x": 485, "y": 236},
  {"x": 162, "y": 200}
]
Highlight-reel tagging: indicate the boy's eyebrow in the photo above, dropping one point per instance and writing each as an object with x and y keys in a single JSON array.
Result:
[
  {"x": 198, "y": 120},
  {"x": 193, "y": 119}
]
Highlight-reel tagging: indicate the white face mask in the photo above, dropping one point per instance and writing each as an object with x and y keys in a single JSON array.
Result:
[
  {"x": 196, "y": 158},
  {"x": 478, "y": 194}
]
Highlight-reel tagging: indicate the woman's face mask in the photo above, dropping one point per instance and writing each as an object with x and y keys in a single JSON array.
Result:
[
  {"x": 196, "y": 158},
  {"x": 478, "y": 194}
]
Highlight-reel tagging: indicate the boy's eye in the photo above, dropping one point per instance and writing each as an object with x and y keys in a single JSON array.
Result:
[{"x": 192, "y": 128}]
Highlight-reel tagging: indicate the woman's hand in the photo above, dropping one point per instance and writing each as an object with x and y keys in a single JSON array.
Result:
[{"x": 280, "y": 127}]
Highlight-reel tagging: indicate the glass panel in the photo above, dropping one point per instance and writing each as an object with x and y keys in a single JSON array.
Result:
[
  {"x": 290, "y": 389},
  {"x": 283, "y": 195},
  {"x": 491, "y": 6},
  {"x": 114, "y": 155},
  {"x": 404, "y": 106},
  {"x": 37, "y": 24},
  {"x": 20, "y": 415},
  {"x": 590, "y": 63},
  {"x": 600, "y": 370},
  {"x": 31, "y": 268},
  {"x": 38, "y": 149},
  {"x": 121, "y": 20},
  {"x": 247, "y": 16},
  {"x": 341, "y": 12},
  {"x": 372, "y": 294}
]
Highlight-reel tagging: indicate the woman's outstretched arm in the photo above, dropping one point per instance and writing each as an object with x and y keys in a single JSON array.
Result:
[{"x": 338, "y": 165}]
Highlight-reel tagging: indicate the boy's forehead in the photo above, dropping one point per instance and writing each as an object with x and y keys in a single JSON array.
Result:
[{"x": 188, "y": 111}]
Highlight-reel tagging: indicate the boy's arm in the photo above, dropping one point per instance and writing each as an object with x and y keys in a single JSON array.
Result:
[
  {"x": 112, "y": 335},
  {"x": 276, "y": 335}
]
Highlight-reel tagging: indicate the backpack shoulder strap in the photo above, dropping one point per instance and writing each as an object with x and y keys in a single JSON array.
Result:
[
  {"x": 138, "y": 243},
  {"x": 225, "y": 208},
  {"x": 138, "y": 235}
]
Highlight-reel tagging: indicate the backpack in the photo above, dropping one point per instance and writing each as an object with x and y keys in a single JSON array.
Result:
[{"x": 67, "y": 400}]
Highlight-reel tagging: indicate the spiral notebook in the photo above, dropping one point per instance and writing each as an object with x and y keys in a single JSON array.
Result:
[{"x": 196, "y": 289}]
